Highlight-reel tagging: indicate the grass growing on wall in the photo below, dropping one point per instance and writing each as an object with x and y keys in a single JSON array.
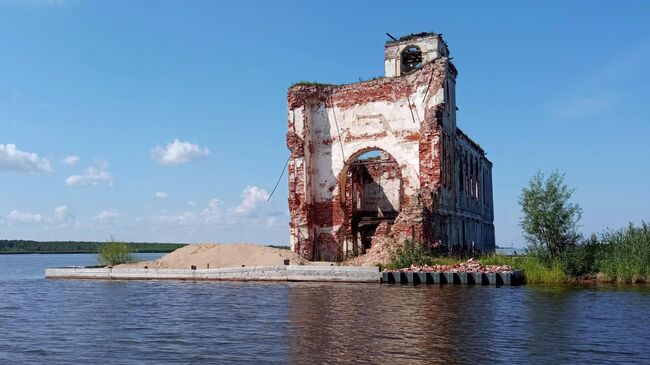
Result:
[{"x": 309, "y": 83}]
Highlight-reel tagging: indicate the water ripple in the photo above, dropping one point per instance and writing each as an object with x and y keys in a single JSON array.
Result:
[{"x": 162, "y": 322}]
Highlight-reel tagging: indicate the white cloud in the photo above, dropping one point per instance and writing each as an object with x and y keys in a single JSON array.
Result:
[
  {"x": 70, "y": 160},
  {"x": 184, "y": 219},
  {"x": 213, "y": 213},
  {"x": 274, "y": 221},
  {"x": 12, "y": 159},
  {"x": 582, "y": 107},
  {"x": 23, "y": 217},
  {"x": 161, "y": 195},
  {"x": 61, "y": 213},
  {"x": 108, "y": 216},
  {"x": 251, "y": 197},
  {"x": 191, "y": 203},
  {"x": 93, "y": 176},
  {"x": 178, "y": 152}
]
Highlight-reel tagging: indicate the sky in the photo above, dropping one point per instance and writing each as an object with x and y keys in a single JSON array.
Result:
[{"x": 165, "y": 121}]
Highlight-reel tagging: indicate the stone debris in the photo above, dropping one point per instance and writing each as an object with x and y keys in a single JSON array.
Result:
[
  {"x": 380, "y": 251},
  {"x": 470, "y": 266}
]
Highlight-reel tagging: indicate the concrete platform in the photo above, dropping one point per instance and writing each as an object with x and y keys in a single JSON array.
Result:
[
  {"x": 253, "y": 273},
  {"x": 511, "y": 278}
]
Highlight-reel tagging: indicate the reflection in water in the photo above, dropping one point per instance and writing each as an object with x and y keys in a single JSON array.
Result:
[
  {"x": 172, "y": 322},
  {"x": 393, "y": 324},
  {"x": 424, "y": 325}
]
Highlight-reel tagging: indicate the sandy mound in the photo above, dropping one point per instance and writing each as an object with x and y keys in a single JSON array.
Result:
[{"x": 214, "y": 255}]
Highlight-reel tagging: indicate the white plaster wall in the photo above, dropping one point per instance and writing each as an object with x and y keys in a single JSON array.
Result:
[{"x": 369, "y": 119}]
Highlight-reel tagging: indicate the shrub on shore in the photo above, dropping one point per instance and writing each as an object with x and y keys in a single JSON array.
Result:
[
  {"x": 114, "y": 253},
  {"x": 621, "y": 256},
  {"x": 624, "y": 255},
  {"x": 409, "y": 253},
  {"x": 550, "y": 219}
]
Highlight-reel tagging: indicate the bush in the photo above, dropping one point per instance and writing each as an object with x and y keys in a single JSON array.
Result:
[
  {"x": 114, "y": 253},
  {"x": 410, "y": 253},
  {"x": 625, "y": 254},
  {"x": 550, "y": 220},
  {"x": 580, "y": 260}
]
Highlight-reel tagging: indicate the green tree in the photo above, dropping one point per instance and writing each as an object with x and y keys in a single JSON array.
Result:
[
  {"x": 550, "y": 221},
  {"x": 114, "y": 253}
]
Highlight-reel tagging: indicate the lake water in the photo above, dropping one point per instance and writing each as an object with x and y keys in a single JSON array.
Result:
[{"x": 175, "y": 322}]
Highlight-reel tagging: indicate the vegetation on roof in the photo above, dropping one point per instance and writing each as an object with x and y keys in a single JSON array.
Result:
[
  {"x": 412, "y": 36},
  {"x": 471, "y": 141},
  {"x": 315, "y": 83},
  {"x": 310, "y": 83}
]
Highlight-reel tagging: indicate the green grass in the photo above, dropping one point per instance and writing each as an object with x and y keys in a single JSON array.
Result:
[
  {"x": 624, "y": 255},
  {"x": 310, "y": 83},
  {"x": 410, "y": 253},
  {"x": 535, "y": 270}
]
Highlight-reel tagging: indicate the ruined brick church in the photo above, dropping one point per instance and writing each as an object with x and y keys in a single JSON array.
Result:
[{"x": 384, "y": 159}]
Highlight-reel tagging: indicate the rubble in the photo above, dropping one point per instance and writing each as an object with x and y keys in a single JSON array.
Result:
[{"x": 473, "y": 266}]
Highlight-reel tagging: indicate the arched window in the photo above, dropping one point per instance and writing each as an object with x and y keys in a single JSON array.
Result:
[{"x": 411, "y": 59}]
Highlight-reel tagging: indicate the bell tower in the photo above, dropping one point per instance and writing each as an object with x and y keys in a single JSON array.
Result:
[{"x": 409, "y": 53}]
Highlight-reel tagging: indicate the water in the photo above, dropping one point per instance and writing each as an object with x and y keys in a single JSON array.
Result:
[{"x": 160, "y": 322}]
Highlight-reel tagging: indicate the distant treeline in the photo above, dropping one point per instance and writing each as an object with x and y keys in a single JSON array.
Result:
[{"x": 20, "y": 246}]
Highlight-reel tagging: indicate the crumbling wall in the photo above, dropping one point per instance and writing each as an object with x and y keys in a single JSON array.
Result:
[{"x": 412, "y": 118}]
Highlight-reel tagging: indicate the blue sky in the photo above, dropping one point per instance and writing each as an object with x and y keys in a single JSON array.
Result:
[{"x": 166, "y": 121}]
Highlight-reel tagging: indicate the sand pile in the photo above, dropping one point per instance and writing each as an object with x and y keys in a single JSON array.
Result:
[{"x": 215, "y": 255}]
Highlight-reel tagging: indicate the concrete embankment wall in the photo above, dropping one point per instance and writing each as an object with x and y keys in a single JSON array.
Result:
[{"x": 254, "y": 273}]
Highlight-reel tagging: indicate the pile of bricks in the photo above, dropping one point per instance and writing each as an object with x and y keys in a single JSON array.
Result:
[{"x": 471, "y": 266}]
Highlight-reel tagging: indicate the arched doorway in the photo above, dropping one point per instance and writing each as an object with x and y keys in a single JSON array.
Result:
[{"x": 373, "y": 195}]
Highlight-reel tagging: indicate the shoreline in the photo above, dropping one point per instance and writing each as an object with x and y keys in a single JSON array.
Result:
[{"x": 68, "y": 252}]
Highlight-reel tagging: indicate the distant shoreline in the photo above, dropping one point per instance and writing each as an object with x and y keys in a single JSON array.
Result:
[
  {"x": 77, "y": 247},
  {"x": 69, "y": 252}
]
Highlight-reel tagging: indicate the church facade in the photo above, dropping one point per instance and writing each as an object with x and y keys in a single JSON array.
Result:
[{"x": 384, "y": 160}]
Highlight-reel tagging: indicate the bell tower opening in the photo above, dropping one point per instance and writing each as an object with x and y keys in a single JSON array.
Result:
[{"x": 411, "y": 59}]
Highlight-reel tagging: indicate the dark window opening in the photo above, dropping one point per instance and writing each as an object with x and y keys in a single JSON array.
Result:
[{"x": 411, "y": 59}]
